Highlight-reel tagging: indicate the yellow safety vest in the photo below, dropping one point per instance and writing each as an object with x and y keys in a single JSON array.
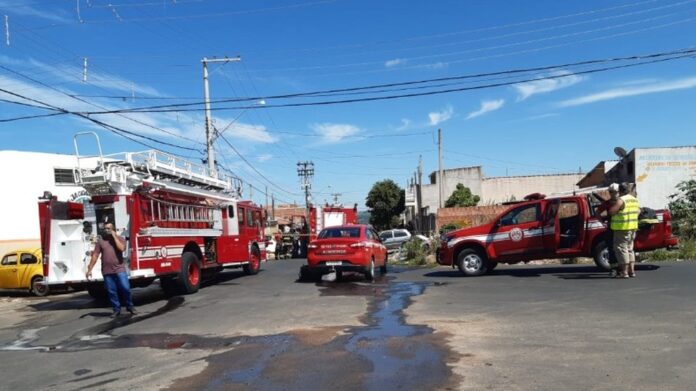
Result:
[{"x": 627, "y": 218}]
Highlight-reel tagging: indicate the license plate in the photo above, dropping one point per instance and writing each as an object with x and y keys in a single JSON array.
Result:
[{"x": 334, "y": 263}]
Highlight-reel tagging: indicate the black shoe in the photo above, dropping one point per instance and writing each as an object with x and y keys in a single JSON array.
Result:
[
  {"x": 132, "y": 311},
  {"x": 115, "y": 314}
]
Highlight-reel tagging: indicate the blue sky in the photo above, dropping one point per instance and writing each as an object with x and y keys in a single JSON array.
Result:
[{"x": 148, "y": 52}]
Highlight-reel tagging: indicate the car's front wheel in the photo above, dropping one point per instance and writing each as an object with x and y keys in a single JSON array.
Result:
[{"x": 472, "y": 263}]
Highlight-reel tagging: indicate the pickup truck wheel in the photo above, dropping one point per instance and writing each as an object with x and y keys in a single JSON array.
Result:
[
  {"x": 190, "y": 277},
  {"x": 472, "y": 263},
  {"x": 600, "y": 253},
  {"x": 38, "y": 289}
]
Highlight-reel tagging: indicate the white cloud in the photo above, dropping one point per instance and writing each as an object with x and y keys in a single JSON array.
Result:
[
  {"x": 17, "y": 8},
  {"x": 395, "y": 62},
  {"x": 405, "y": 124},
  {"x": 439, "y": 117},
  {"x": 486, "y": 107},
  {"x": 436, "y": 65},
  {"x": 333, "y": 133},
  {"x": 249, "y": 132},
  {"x": 525, "y": 90},
  {"x": 264, "y": 158},
  {"x": 663, "y": 86}
]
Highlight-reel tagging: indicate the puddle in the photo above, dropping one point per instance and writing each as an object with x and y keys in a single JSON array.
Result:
[
  {"x": 386, "y": 353},
  {"x": 402, "y": 355}
]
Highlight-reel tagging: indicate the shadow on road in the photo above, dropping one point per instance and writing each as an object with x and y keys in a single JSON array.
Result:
[
  {"x": 564, "y": 272},
  {"x": 141, "y": 296}
]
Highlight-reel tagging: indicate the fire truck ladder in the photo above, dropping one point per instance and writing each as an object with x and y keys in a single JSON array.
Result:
[{"x": 113, "y": 170}]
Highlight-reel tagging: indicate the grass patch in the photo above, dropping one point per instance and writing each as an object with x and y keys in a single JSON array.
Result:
[{"x": 686, "y": 251}]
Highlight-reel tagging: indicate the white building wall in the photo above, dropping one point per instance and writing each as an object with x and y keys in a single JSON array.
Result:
[
  {"x": 659, "y": 170},
  {"x": 501, "y": 189},
  {"x": 24, "y": 177}
]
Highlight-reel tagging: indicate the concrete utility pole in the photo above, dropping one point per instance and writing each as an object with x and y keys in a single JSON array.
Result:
[
  {"x": 440, "y": 187},
  {"x": 305, "y": 170},
  {"x": 419, "y": 196},
  {"x": 272, "y": 206},
  {"x": 209, "y": 132}
]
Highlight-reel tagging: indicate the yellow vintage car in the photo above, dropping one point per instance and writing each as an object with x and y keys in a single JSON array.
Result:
[{"x": 23, "y": 269}]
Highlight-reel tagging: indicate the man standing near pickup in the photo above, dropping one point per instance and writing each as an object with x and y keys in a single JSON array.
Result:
[
  {"x": 624, "y": 224},
  {"x": 604, "y": 207},
  {"x": 111, "y": 248}
]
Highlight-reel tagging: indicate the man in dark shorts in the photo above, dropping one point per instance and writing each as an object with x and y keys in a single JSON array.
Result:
[{"x": 111, "y": 248}]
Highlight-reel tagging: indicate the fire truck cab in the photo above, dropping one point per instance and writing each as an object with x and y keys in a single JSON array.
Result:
[{"x": 180, "y": 223}]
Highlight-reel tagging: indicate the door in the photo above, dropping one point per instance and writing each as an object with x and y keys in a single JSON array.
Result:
[
  {"x": 551, "y": 230},
  {"x": 518, "y": 234},
  {"x": 9, "y": 276},
  {"x": 378, "y": 249},
  {"x": 29, "y": 266}
]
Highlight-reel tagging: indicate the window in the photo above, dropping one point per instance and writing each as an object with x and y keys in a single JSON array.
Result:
[
  {"x": 63, "y": 176},
  {"x": 352, "y": 232},
  {"x": 28, "y": 259},
  {"x": 569, "y": 209},
  {"x": 249, "y": 218},
  {"x": 10, "y": 259},
  {"x": 230, "y": 212},
  {"x": 241, "y": 216},
  {"x": 521, "y": 215},
  {"x": 400, "y": 234},
  {"x": 385, "y": 235}
]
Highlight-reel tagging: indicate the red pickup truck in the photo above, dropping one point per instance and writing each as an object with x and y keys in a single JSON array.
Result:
[{"x": 544, "y": 228}]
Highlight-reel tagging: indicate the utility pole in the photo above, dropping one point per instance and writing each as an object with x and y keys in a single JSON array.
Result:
[
  {"x": 439, "y": 174},
  {"x": 266, "y": 193},
  {"x": 419, "y": 196},
  {"x": 335, "y": 198},
  {"x": 272, "y": 206},
  {"x": 305, "y": 170},
  {"x": 209, "y": 132}
]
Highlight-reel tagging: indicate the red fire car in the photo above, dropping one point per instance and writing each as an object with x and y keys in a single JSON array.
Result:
[{"x": 342, "y": 248}]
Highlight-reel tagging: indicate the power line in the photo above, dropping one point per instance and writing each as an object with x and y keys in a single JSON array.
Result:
[
  {"x": 254, "y": 168},
  {"x": 657, "y": 59},
  {"x": 689, "y": 51},
  {"x": 119, "y": 131}
]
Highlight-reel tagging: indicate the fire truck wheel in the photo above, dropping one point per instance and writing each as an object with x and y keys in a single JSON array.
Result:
[
  {"x": 600, "y": 253},
  {"x": 472, "y": 263},
  {"x": 38, "y": 289},
  {"x": 370, "y": 271},
  {"x": 190, "y": 277},
  {"x": 254, "y": 262}
]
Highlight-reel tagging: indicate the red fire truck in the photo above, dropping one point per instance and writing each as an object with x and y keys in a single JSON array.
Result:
[
  {"x": 180, "y": 223},
  {"x": 330, "y": 216}
]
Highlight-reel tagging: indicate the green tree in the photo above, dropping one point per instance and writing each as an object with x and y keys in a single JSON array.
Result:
[
  {"x": 386, "y": 201},
  {"x": 462, "y": 197},
  {"x": 683, "y": 209}
]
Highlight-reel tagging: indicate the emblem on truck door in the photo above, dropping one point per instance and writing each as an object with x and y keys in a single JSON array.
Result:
[{"x": 516, "y": 234}]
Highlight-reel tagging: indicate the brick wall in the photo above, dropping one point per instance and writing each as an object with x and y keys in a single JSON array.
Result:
[{"x": 469, "y": 216}]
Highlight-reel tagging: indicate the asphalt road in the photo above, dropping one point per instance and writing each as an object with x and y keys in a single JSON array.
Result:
[{"x": 523, "y": 327}]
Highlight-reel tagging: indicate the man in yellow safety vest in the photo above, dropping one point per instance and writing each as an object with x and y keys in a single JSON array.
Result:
[{"x": 624, "y": 224}]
